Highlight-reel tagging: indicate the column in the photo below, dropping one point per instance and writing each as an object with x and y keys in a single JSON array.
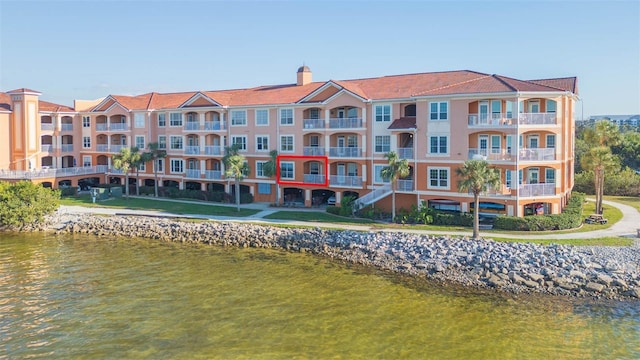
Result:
[
  {"x": 203, "y": 165},
  {"x": 307, "y": 198},
  {"x": 364, "y": 116}
]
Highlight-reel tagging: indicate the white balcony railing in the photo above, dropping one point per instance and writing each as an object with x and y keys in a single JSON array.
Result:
[
  {"x": 51, "y": 173},
  {"x": 344, "y": 180},
  {"x": 537, "y": 154},
  {"x": 314, "y": 178},
  {"x": 118, "y": 127},
  {"x": 66, "y": 147},
  {"x": 102, "y": 147},
  {"x": 192, "y": 150},
  {"x": 491, "y": 120},
  {"x": 345, "y": 152},
  {"x": 102, "y": 168},
  {"x": 313, "y": 151},
  {"x": 116, "y": 148},
  {"x": 213, "y": 174},
  {"x": 192, "y": 125},
  {"x": 405, "y": 153},
  {"x": 313, "y": 123},
  {"x": 530, "y": 190},
  {"x": 345, "y": 123},
  {"x": 213, "y": 150},
  {"x": 214, "y": 125},
  {"x": 46, "y": 127},
  {"x": 101, "y": 127},
  {"x": 537, "y": 119},
  {"x": 66, "y": 127},
  {"x": 405, "y": 185},
  {"x": 491, "y": 155},
  {"x": 46, "y": 148},
  {"x": 192, "y": 173}
]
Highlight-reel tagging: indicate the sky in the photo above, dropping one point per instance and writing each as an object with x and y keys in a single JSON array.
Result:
[{"x": 90, "y": 49}]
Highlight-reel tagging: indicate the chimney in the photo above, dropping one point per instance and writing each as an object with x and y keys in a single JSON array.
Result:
[{"x": 304, "y": 75}]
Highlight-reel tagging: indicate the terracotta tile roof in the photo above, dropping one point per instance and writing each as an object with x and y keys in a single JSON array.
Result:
[
  {"x": 566, "y": 84},
  {"x": 403, "y": 123},
  {"x": 5, "y": 102},
  {"x": 48, "y": 106},
  {"x": 23, "y": 90},
  {"x": 274, "y": 94}
]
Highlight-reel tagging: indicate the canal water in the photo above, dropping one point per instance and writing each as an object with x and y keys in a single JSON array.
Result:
[{"x": 85, "y": 297}]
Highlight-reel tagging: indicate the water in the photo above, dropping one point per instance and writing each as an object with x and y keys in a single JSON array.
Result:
[{"x": 94, "y": 298}]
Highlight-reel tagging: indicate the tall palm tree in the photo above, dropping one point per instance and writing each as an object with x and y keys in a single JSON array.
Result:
[
  {"x": 476, "y": 176},
  {"x": 144, "y": 158},
  {"x": 235, "y": 167},
  {"x": 269, "y": 170},
  {"x": 124, "y": 161},
  {"x": 599, "y": 157},
  {"x": 396, "y": 169},
  {"x": 155, "y": 154}
]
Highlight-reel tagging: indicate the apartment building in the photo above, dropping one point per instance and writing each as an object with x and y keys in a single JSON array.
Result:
[{"x": 331, "y": 137}]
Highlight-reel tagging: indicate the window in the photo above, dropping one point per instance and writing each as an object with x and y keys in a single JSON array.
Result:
[
  {"x": 383, "y": 144},
  {"x": 176, "y": 143},
  {"x": 260, "y": 168},
  {"x": 286, "y": 170},
  {"x": 352, "y": 141},
  {"x": 495, "y": 144},
  {"x": 238, "y": 117},
  {"x": 86, "y": 121},
  {"x": 438, "y": 145},
  {"x": 177, "y": 166},
  {"x": 383, "y": 113},
  {"x": 496, "y": 109},
  {"x": 551, "y": 141},
  {"x": 262, "y": 117},
  {"x": 86, "y": 161},
  {"x": 286, "y": 143},
  {"x": 160, "y": 163},
  {"x": 138, "y": 120},
  {"x": 286, "y": 116},
  {"x": 140, "y": 142},
  {"x": 509, "y": 109},
  {"x": 314, "y": 114},
  {"x": 175, "y": 119},
  {"x": 241, "y": 141},
  {"x": 550, "y": 176},
  {"x": 438, "y": 178},
  {"x": 162, "y": 142},
  {"x": 86, "y": 142},
  {"x": 264, "y": 188},
  {"x": 507, "y": 177},
  {"x": 162, "y": 120},
  {"x": 551, "y": 106},
  {"x": 314, "y": 141},
  {"x": 438, "y": 110},
  {"x": 142, "y": 167},
  {"x": 377, "y": 169},
  {"x": 262, "y": 143}
]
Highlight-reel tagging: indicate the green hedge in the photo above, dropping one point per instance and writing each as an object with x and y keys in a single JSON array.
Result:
[
  {"x": 570, "y": 218},
  {"x": 429, "y": 216},
  {"x": 25, "y": 202}
]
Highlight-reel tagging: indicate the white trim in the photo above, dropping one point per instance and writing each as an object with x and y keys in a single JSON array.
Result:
[
  {"x": 293, "y": 143},
  {"x": 170, "y": 144},
  {"x": 260, "y": 162},
  {"x": 437, "y": 168},
  {"x": 231, "y": 142},
  {"x": 268, "y": 143},
  {"x": 197, "y": 96},
  {"x": 231, "y": 112},
  {"x": 171, "y": 162},
  {"x": 144, "y": 141},
  {"x": 293, "y": 170},
  {"x": 293, "y": 117},
  {"x": 255, "y": 117}
]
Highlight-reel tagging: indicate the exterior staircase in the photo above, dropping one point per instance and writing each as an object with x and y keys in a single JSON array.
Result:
[{"x": 372, "y": 197}]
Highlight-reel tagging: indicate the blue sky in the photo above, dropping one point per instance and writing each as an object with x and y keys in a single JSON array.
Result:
[{"x": 89, "y": 49}]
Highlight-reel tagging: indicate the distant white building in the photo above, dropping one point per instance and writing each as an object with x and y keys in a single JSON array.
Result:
[{"x": 631, "y": 120}]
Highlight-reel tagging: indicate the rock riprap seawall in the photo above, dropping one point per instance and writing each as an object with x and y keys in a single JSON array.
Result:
[{"x": 512, "y": 267}]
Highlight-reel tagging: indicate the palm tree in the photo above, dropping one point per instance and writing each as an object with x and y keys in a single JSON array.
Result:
[
  {"x": 476, "y": 176},
  {"x": 124, "y": 161},
  {"x": 269, "y": 170},
  {"x": 599, "y": 157},
  {"x": 395, "y": 169},
  {"x": 155, "y": 154},
  {"x": 235, "y": 167},
  {"x": 143, "y": 158}
]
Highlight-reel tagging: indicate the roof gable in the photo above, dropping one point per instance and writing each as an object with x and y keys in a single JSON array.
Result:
[
  {"x": 105, "y": 104},
  {"x": 199, "y": 100}
]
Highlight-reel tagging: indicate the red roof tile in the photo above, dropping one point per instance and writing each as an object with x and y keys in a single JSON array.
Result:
[
  {"x": 403, "y": 123},
  {"x": 566, "y": 84},
  {"x": 23, "y": 90},
  {"x": 48, "y": 106},
  {"x": 5, "y": 101}
]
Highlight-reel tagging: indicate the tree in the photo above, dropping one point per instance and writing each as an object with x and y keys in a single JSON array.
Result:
[
  {"x": 395, "y": 169},
  {"x": 25, "y": 202},
  {"x": 143, "y": 158},
  {"x": 599, "y": 157},
  {"x": 124, "y": 161},
  {"x": 235, "y": 167},
  {"x": 155, "y": 154},
  {"x": 476, "y": 177},
  {"x": 269, "y": 169}
]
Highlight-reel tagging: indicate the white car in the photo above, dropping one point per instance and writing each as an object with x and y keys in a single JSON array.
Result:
[{"x": 331, "y": 200}]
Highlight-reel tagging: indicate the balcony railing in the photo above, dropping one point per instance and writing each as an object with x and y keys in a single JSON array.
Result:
[
  {"x": 345, "y": 152},
  {"x": 213, "y": 150},
  {"x": 66, "y": 127},
  {"x": 405, "y": 153},
  {"x": 313, "y": 151},
  {"x": 192, "y": 125},
  {"x": 102, "y": 147},
  {"x": 192, "y": 173},
  {"x": 313, "y": 123},
  {"x": 537, "y": 119},
  {"x": 116, "y": 171},
  {"x": 537, "y": 154},
  {"x": 345, "y": 123},
  {"x": 46, "y": 148},
  {"x": 490, "y": 120},
  {"x": 344, "y": 180},
  {"x": 117, "y": 148},
  {"x": 214, "y": 125},
  {"x": 118, "y": 127},
  {"x": 46, "y": 127},
  {"x": 492, "y": 155},
  {"x": 66, "y": 147},
  {"x": 502, "y": 190},
  {"x": 314, "y": 178},
  {"x": 213, "y": 174},
  {"x": 102, "y": 168},
  {"x": 192, "y": 150},
  {"x": 405, "y": 185},
  {"x": 530, "y": 190},
  {"x": 50, "y": 173},
  {"x": 101, "y": 127}
]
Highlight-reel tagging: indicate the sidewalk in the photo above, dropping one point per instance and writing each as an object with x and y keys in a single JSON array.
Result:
[{"x": 627, "y": 226}]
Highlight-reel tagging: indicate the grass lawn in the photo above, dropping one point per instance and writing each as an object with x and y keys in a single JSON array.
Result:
[
  {"x": 627, "y": 200},
  {"x": 315, "y": 216},
  {"x": 158, "y": 205},
  {"x": 606, "y": 241}
]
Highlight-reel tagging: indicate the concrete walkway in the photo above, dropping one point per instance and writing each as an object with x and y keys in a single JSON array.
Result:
[{"x": 627, "y": 226}]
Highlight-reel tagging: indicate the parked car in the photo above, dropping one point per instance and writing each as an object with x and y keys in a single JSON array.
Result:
[{"x": 331, "y": 200}]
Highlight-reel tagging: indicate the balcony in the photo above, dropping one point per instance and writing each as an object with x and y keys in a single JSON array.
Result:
[
  {"x": 101, "y": 127},
  {"x": 46, "y": 127},
  {"x": 345, "y": 181},
  {"x": 117, "y": 148},
  {"x": 345, "y": 152},
  {"x": 405, "y": 185},
  {"x": 192, "y": 125},
  {"x": 213, "y": 174},
  {"x": 66, "y": 127},
  {"x": 66, "y": 147},
  {"x": 310, "y": 124},
  {"x": 491, "y": 155},
  {"x": 213, "y": 150},
  {"x": 345, "y": 123},
  {"x": 313, "y": 151},
  {"x": 530, "y": 190},
  {"x": 405, "y": 153},
  {"x": 314, "y": 178},
  {"x": 116, "y": 171},
  {"x": 51, "y": 173},
  {"x": 102, "y": 147},
  {"x": 537, "y": 119},
  {"x": 491, "y": 120},
  {"x": 537, "y": 154},
  {"x": 214, "y": 125},
  {"x": 118, "y": 127},
  {"x": 192, "y": 173},
  {"x": 46, "y": 148},
  {"x": 102, "y": 168},
  {"x": 502, "y": 190},
  {"x": 192, "y": 150}
]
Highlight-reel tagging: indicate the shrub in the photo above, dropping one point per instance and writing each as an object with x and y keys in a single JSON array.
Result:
[
  {"x": 246, "y": 198},
  {"x": 570, "y": 218},
  {"x": 25, "y": 202},
  {"x": 335, "y": 210},
  {"x": 69, "y": 191}
]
